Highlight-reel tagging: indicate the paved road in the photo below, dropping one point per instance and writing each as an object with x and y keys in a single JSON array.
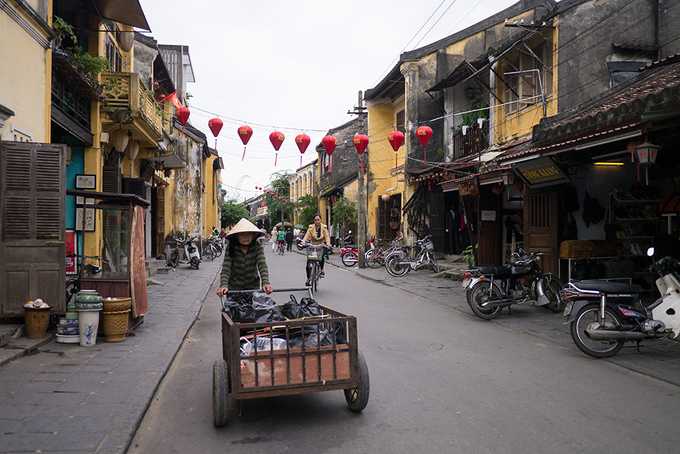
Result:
[{"x": 441, "y": 381}]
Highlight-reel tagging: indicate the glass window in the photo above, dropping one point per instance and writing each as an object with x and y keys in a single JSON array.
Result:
[{"x": 116, "y": 245}]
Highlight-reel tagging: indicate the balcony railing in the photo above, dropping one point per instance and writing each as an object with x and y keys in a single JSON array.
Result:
[
  {"x": 474, "y": 141},
  {"x": 124, "y": 91}
]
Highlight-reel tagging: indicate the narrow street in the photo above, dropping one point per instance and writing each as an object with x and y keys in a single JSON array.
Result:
[{"x": 441, "y": 381}]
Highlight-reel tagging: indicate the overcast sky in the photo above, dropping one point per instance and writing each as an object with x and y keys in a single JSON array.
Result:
[{"x": 293, "y": 63}]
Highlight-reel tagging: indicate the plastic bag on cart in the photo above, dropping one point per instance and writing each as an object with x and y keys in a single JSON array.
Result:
[
  {"x": 265, "y": 309},
  {"x": 306, "y": 307},
  {"x": 240, "y": 309},
  {"x": 264, "y": 344},
  {"x": 313, "y": 339}
]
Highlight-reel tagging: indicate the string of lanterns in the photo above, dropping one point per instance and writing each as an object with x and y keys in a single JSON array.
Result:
[{"x": 329, "y": 142}]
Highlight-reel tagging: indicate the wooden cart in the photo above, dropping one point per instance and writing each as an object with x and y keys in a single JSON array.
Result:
[{"x": 298, "y": 368}]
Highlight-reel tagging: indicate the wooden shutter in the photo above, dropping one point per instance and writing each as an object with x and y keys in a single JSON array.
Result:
[{"x": 541, "y": 225}]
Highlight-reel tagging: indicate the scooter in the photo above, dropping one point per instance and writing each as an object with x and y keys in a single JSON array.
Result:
[
  {"x": 604, "y": 315},
  {"x": 191, "y": 252}
]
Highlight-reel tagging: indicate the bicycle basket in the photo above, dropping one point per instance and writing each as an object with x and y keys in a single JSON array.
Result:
[
  {"x": 429, "y": 245},
  {"x": 312, "y": 254}
]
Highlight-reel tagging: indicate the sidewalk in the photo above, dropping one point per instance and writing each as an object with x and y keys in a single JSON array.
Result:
[
  {"x": 71, "y": 398},
  {"x": 657, "y": 359}
]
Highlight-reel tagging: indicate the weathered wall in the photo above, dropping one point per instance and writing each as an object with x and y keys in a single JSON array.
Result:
[
  {"x": 210, "y": 197},
  {"x": 345, "y": 159},
  {"x": 187, "y": 192},
  {"x": 586, "y": 39},
  {"x": 669, "y": 27},
  {"x": 143, "y": 63}
]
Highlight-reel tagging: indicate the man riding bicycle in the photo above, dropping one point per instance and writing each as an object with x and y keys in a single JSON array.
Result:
[
  {"x": 281, "y": 240},
  {"x": 317, "y": 234}
]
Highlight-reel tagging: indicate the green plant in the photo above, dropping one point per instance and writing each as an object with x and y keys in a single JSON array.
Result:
[
  {"x": 469, "y": 256},
  {"x": 66, "y": 40},
  {"x": 90, "y": 64},
  {"x": 232, "y": 212},
  {"x": 280, "y": 206},
  {"x": 308, "y": 208},
  {"x": 62, "y": 30},
  {"x": 344, "y": 214}
]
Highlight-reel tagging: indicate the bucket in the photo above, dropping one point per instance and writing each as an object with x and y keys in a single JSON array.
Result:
[
  {"x": 37, "y": 321},
  {"x": 115, "y": 325},
  {"x": 88, "y": 321}
]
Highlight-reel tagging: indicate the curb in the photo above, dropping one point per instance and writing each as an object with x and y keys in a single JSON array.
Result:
[
  {"x": 147, "y": 404},
  {"x": 21, "y": 352}
]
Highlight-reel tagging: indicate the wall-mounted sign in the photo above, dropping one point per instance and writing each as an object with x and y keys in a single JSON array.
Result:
[
  {"x": 541, "y": 172},
  {"x": 70, "y": 243},
  {"x": 488, "y": 215},
  {"x": 469, "y": 187},
  {"x": 86, "y": 181}
]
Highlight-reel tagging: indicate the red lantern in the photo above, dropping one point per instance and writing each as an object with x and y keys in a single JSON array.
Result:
[
  {"x": 360, "y": 143},
  {"x": 329, "y": 143},
  {"x": 276, "y": 138},
  {"x": 215, "y": 125},
  {"x": 396, "y": 139},
  {"x": 424, "y": 134},
  {"x": 302, "y": 141},
  {"x": 244, "y": 132},
  {"x": 183, "y": 114}
]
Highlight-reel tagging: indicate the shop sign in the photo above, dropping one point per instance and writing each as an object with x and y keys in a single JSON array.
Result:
[
  {"x": 469, "y": 187},
  {"x": 541, "y": 172},
  {"x": 488, "y": 215},
  {"x": 70, "y": 246}
]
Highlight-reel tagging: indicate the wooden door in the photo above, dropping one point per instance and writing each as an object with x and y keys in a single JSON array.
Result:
[
  {"x": 541, "y": 227},
  {"x": 438, "y": 221},
  {"x": 32, "y": 225},
  {"x": 490, "y": 232}
]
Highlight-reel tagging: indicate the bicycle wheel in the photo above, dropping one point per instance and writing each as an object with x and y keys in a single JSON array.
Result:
[
  {"x": 209, "y": 252},
  {"x": 396, "y": 265},
  {"x": 315, "y": 277},
  {"x": 372, "y": 257}
]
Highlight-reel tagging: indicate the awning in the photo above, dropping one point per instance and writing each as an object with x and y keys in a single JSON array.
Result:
[{"x": 128, "y": 12}]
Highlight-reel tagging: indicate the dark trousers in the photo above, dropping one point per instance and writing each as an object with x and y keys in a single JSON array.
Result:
[
  {"x": 290, "y": 245},
  {"x": 322, "y": 262}
]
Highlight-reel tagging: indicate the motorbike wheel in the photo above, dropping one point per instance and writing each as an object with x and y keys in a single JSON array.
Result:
[
  {"x": 209, "y": 253},
  {"x": 372, "y": 260},
  {"x": 595, "y": 348},
  {"x": 350, "y": 259},
  {"x": 394, "y": 266},
  {"x": 552, "y": 287},
  {"x": 173, "y": 261},
  {"x": 480, "y": 294},
  {"x": 194, "y": 263}
]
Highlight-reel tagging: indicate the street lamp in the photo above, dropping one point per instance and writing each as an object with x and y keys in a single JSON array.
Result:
[{"x": 646, "y": 153}]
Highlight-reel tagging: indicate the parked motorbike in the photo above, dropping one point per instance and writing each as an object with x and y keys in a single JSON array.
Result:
[
  {"x": 491, "y": 288},
  {"x": 349, "y": 255},
  {"x": 604, "y": 315},
  {"x": 400, "y": 262},
  {"x": 191, "y": 253}
]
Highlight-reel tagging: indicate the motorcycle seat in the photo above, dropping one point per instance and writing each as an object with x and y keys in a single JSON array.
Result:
[
  {"x": 496, "y": 270},
  {"x": 608, "y": 286}
]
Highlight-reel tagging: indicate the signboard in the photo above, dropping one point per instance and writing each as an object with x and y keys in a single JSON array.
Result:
[
  {"x": 541, "y": 172},
  {"x": 70, "y": 246},
  {"x": 469, "y": 187},
  {"x": 488, "y": 215}
]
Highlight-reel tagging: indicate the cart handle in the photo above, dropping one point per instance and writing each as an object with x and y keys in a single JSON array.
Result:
[{"x": 278, "y": 290}]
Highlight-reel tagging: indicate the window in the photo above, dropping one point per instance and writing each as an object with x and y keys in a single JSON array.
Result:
[
  {"x": 524, "y": 77},
  {"x": 400, "y": 121},
  {"x": 113, "y": 55}
]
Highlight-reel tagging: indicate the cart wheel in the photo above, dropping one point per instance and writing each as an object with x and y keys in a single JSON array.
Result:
[
  {"x": 357, "y": 398},
  {"x": 222, "y": 401}
]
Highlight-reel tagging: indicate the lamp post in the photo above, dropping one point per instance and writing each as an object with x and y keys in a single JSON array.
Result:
[{"x": 646, "y": 153}]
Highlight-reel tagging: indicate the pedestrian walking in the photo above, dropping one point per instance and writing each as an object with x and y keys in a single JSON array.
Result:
[
  {"x": 275, "y": 234},
  {"x": 289, "y": 239}
]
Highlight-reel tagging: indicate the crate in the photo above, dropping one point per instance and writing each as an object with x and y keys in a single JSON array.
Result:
[{"x": 576, "y": 249}]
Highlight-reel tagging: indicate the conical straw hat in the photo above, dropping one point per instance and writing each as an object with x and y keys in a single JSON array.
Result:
[{"x": 244, "y": 225}]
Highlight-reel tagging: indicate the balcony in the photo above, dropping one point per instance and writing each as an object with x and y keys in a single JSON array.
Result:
[
  {"x": 128, "y": 102},
  {"x": 474, "y": 141}
]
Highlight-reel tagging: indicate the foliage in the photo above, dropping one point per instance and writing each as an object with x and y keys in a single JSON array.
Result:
[
  {"x": 232, "y": 212},
  {"x": 469, "y": 256},
  {"x": 344, "y": 214},
  {"x": 66, "y": 40},
  {"x": 280, "y": 205},
  {"x": 308, "y": 208}
]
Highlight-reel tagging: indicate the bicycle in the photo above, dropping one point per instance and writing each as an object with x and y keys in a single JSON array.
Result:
[
  {"x": 281, "y": 247},
  {"x": 213, "y": 248},
  {"x": 72, "y": 284},
  {"x": 314, "y": 264},
  {"x": 376, "y": 255},
  {"x": 401, "y": 262}
]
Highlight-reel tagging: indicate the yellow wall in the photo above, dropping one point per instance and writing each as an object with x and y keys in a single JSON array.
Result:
[
  {"x": 210, "y": 197},
  {"x": 381, "y": 158},
  {"x": 25, "y": 81}
]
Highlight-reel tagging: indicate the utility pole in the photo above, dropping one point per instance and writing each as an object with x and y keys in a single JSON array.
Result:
[{"x": 361, "y": 111}]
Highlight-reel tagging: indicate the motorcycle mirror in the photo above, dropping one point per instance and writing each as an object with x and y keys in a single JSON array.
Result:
[
  {"x": 349, "y": 231},
  {"x": 650, "y": 252}
]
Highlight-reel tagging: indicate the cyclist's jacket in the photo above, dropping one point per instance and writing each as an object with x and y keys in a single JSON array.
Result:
[
  {"x": 318, "y": 236},
  {"x": 243, "y": 271}
]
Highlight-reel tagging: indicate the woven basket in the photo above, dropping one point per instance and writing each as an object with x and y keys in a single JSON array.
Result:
[
  {"x": 116, "y": 304},
  {"x": 37, "y": 321},
  {"x": 115, "y": 325}
]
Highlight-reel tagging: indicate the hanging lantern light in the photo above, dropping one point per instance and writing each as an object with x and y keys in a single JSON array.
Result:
[
  {"x": 360, "y": 143},
  {"x": 276, "y": 138},
  {"x": 120, "y": 140},
  {"x": 329, "y": 142},
  {"x": 245, "y": 132},
  {"x": 132, "y": 150},
  {"x": 424, "y": 134},
  {"x": 396, "y": 139},
  {"x": 215, "y": 125},
  {"x": 302, "y": 141},
  {"x": 126, "y": 39},
  {"x": 183, "y": 114}
]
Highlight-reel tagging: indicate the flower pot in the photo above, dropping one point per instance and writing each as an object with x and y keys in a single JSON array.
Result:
[
  {"x": 116, "y": 304},
  {"x": 37, "y": 321},
  {"x": 115, "y": 325}
]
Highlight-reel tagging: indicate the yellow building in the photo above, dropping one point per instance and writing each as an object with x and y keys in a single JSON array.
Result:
[
  {"x": 302, "y": 183},
  {"x": 26, "y": 75},
  {"x": 212, "y": 166}
]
